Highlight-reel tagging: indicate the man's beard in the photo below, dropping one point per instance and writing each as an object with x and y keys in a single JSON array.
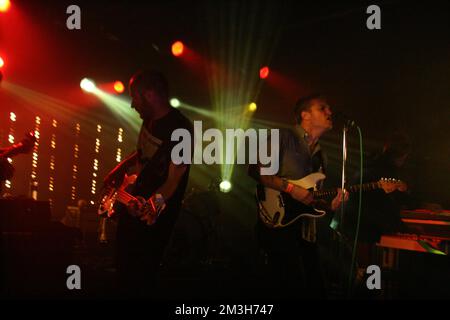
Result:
[{"x": 147, "y": 111}]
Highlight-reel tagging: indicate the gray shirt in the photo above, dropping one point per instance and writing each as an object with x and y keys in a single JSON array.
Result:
[
  {"x": 298, "y": 161},
  {"x": 296, "y": 158}
]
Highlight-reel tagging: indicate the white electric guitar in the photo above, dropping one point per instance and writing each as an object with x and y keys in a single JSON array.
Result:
[{"x": 278, "y": 209}]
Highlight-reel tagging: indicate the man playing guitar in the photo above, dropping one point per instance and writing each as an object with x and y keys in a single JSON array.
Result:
[
  {"x": 146, "y": 221},
  {"x": 292, "y": 254}
]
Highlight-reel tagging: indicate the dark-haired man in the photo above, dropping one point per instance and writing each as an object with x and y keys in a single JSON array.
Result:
[
  {"x": 141, "y": 239},
  {"x": 292, "y": 254}
]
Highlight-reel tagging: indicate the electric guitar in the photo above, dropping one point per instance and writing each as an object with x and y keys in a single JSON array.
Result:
[
  {"x": 121, "y": 194},
  {"x": 278, "y": 209}
]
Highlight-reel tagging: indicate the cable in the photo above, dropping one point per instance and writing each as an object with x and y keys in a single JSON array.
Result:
[{"x": 350, "y": 279}]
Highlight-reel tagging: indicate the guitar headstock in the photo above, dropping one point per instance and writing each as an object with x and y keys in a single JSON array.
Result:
[{"x": 390, "y": 185}]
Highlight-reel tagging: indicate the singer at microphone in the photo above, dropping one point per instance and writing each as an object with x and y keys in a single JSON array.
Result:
[
  {"x": 295, "y": 248},
  {"x": 340, "y": 116}
]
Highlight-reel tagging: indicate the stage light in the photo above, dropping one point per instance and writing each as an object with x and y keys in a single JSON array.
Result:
[
  {"x": 177, "y": 48},
  {"x": 174, "y": 102},
  {"x": 2, "y": 62},
  {"x": 87, "y": 85},
  {"x": 252, "y": 107},
  {"x": 119, "y": 87},
  {"x": 264, "y": 72},
  {"x": 4, "y": 5},
  {"x": 225, "y": 186}
]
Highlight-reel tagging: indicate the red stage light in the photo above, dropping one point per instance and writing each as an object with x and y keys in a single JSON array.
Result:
[
  {"x": 4, "y": 5},
  {"x": 177, "y": 48},
  {"x": 119, "y": 87},
  {"x": 2, "y": 62},
  {"x": 264, "y": 72}
]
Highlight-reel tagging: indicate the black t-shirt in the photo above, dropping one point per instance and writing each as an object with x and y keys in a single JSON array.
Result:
[{"x": 154, "y": 155}]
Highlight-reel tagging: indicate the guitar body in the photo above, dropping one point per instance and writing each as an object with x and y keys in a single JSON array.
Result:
[
  {"x": 278, "y": 209},
  {"x": 111, "y": 194}
]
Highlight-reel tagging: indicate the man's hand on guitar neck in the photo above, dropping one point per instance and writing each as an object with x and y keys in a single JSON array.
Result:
[{"x": 337, "y": 201}]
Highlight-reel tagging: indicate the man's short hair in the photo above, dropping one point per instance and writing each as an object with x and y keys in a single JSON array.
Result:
[
  {"x": 304, "y": 104},
  {"x": 150, "y": 80}
]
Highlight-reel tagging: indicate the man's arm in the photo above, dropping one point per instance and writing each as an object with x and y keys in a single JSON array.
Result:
[
  {"x": 166, "y": 190},
  {"x": 280, "y": 184},
  {"x": 174, "y": 177}
]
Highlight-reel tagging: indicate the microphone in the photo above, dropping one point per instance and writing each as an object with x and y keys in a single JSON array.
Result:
[{"x": 339, "y": 115}]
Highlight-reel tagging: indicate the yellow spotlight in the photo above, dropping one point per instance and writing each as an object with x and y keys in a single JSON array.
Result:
[{"x": 252, "y": 107}]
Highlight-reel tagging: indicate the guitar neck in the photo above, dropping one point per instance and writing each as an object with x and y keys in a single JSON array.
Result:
[{"x": 365, "y": 187}]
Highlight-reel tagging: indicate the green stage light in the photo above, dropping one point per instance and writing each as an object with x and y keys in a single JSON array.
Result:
[
  {"x": 174, "y": 102},
  {"x": 225, "y": 186}
]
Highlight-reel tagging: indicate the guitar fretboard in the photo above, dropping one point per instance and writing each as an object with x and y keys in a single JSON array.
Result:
[{"x": 365, "y": 187}]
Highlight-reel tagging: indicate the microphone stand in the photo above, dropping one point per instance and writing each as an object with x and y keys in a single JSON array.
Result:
[
  {"x": 339, "y": 230},
  {"x": 343, "y": 177}
]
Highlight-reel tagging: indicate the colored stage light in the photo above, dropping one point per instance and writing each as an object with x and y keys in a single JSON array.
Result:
[
  {"x": 252, "y": 107},
  {"x": 264, "y": 72},
  {"x": 119, "y": 87},
  {"x": 225, "y": 186},
  {"x": 174, "y": 102},
  {"x": 177, "y": 48},
  {"x": 4, "y": 5},
  {"x": 2, "y": 62},
  {"x": 87, "y": 85}
]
